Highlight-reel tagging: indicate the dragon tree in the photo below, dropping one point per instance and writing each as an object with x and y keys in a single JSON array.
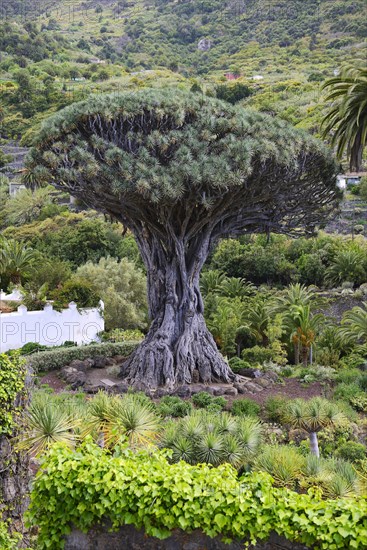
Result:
[{"x": 180, "y": 172}]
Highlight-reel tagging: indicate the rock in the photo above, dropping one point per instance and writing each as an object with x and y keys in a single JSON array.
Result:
[
  {"x": 272, "y": 376},
  {"x": 81, "y": 365},
  {"x": 118, "y": 359},
  {"x": 93, "y": 388},
  {"x": 230, "y": 391},
  {"x": 161, "y": 392},
  {"x": 67, "y": 371},
  {"x": 254, "y": 388},
  {"x": 218, "y": 391},
  {"x": 183, "y": 391},
  {"x": 264, "y": 382},
  {"x": 241, "y": 388},
  {"x": 250, "y": 373},
  {"x": 100, "y": 362},
  {"x": 79, "y": 380},
  {"x": 204, "y": 44},
  {"x": 121, "y": 387},
  {"x": 107, "y": 382}
]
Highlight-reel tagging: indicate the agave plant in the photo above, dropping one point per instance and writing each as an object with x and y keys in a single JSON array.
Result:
[{"x": 45, "y": 423}]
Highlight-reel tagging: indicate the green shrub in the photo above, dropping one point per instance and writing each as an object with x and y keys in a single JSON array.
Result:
[
  {"x": 359, "y": 402},
  {"x": 58, "y": 358},
  {"x": 80, "y": 489},
  {"x": 236, "y": 364},
  {"x": 76, "y": 290},
  {"x": 351, "y": 450},
  {"x": 348, "y": 376},
  {"x": 174, "y": 406},
  {"x": 346, "y": 391},
  {"x": 363, "y": 382},
  {"x": 275, "y": 408},
  {"x": 245, "y": 407},
  {"x": 203, "y": 400},
  {"x": 257, "y": 355},
  {"x": 121, "y": 335},
  {"x": 32, "y": 347}
]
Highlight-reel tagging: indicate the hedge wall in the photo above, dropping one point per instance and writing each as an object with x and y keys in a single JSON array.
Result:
[
  {"x": 58, "y": 358},
  {"x": 85, "y": 487}
]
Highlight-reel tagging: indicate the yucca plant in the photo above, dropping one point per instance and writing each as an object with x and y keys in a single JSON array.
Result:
[
  {"x": 134, "y": 419},
  {"x": 284, "y": 464},
  {"x": 212, "y": 438},
  {"x": 45, "y": 423},
  {"x": 312, "y": 416}
]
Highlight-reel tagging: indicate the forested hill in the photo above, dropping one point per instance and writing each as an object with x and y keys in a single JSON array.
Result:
[
  {"x": 199, "y": 35},
  {"x": 55, "y": 52}
]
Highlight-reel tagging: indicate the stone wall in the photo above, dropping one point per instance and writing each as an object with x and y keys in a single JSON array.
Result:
[
  {"x": 49, "y": 327},
  {"x": 128, "y": 537}
]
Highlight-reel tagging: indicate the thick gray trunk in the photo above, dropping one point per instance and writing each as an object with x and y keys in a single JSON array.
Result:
[
  {"x": 178, "y": 348},
  {"x": 314, "y": 444}
]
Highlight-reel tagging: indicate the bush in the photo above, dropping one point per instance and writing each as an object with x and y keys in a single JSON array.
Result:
[
  {"x": 359, "y": 402},
  {"x": 204, "y": 400},
  {"x": 163, "y": 497},
  {"x": 174, "y": 406},
  {"x": 121, "y": 335},
  {"x": 352, "y": 451},
  {"x": 32, "y": 347},
  {"x": 58, "y": 358},
  {"x": 258, "y": 355},
  {"x": 363, "y": 382},
  {"x": 245, "y": 407},
  {"x": 346, "y": 391},
  {"x": 275, "y": 408},
  {"x": 76, "y": 290}
]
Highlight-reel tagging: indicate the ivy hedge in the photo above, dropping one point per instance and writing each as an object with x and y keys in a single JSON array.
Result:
[
  {"x": 12, "y": 377},
  {"x": 84, "y": 487},
  {"x": 58, "y": 358}
]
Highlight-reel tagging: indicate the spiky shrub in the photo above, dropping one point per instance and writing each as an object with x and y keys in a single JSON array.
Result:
[
  {"x": 180, "y": 171},
  {"x": 113, "y": 418},
  {"x": 283, "y": 463},
  {"x": 45, "y": 423},
  {"x": 214, "y": 439}
]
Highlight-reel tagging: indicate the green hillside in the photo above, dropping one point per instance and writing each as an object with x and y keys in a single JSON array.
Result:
[{"x": 53, "y": 53}]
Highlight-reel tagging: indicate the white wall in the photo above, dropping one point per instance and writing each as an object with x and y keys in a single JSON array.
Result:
[{"x": 49, "y": 327}]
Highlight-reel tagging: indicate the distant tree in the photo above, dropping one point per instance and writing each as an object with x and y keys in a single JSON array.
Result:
[
  {"x": 122, "y": 287},
  {"x": 232, "y": 92},
  {"x": 180, "y": 171},
  {"x": 346, "y": 120}
]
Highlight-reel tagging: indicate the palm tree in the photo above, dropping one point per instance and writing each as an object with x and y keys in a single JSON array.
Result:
[
  {"x": 355, "y": 324},
  {"x": 27, "y": 205},
  {"x": 16, "y": 259},
  {"x": 347, "y": 117},
  {"x": 347, "y": 266},
  {"x": 311, "y": 416},
  {"x": 304, "y": 331}
]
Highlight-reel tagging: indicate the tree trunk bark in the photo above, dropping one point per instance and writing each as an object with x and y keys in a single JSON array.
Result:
[
  {"x": 314, "y": 444},
  {"x": 178, "y": 349},
  {"x": 304, "y": 356}
]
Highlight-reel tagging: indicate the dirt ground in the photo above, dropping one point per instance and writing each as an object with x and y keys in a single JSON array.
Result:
[{"x": 289, "y": 388}]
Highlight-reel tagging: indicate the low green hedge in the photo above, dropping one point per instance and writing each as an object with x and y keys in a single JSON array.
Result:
[
  {"x": 58, "y": 358},
  {"x": 85, "y": 487}
]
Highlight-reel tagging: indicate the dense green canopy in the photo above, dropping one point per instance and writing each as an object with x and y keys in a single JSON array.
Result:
[
  {"x": 128, "y": 153},
  {"x": 180, "y": 171}
]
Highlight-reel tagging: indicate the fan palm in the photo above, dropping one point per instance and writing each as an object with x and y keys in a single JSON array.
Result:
[
  {"x": 347, "y": 117},
  {"x": 311, "y": 416},
  {"x": 16, "y": 259}
]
